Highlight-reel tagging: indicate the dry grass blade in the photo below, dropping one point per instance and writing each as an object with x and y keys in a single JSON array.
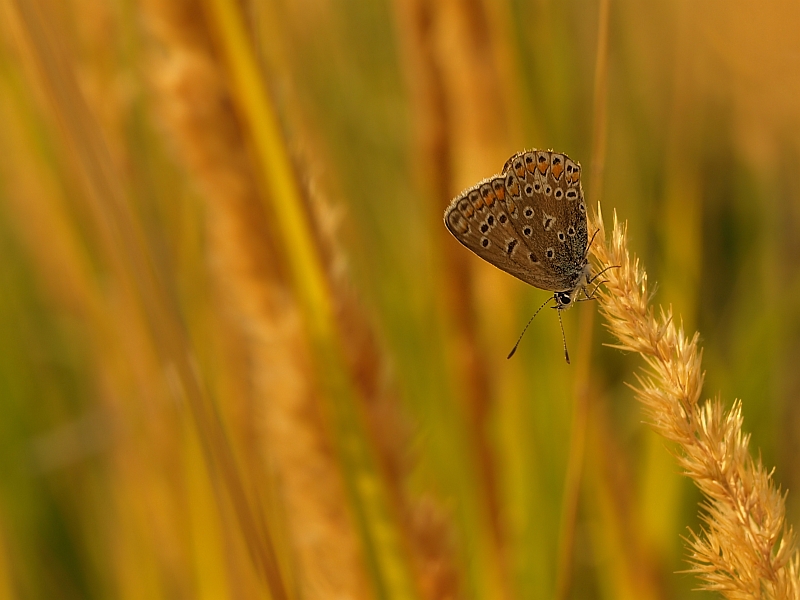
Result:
[
  {"x": 125, "y": 243},
  {"x": 303, "y": 392},
  {"x": 745, "y": 549}
]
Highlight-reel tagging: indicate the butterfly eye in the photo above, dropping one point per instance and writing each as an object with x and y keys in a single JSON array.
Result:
[
  {"x": 529, "y": 212},
  {"x": 511, "y": 245},
  {"x": 550, "y": 253},
  {"x": 561, "y": 236},
  {"x": 563, "y": 298},
  {"x": 558, "y": 193},
  {"x": 527, "y": 231},
  {"x": 571, "y": 231}
]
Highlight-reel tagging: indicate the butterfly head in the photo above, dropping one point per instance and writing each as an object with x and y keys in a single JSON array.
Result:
[
  {"x": 566, "y": 298},
  {"x": 563, "y": 300}
]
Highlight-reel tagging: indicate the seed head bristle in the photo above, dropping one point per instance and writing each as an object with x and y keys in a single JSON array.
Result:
[{"x": 744, "y": 549}]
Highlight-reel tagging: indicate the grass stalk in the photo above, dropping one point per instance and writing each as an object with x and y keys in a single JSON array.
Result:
[
  {"x": 383, "y": 547},
  {"x": 123, "y": 242},
  {"x": 582, "y": 391}
]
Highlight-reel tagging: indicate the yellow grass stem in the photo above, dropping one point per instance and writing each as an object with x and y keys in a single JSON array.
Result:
[
  {"x": 123, "y": 243},
  {"x": 582, "y": 390},
  {"x": 383, "y": 548}
]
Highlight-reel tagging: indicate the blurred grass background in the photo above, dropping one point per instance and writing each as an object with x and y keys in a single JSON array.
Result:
[{"x": 242, "y": 357}]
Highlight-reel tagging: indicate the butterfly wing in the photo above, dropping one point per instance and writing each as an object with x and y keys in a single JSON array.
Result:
[
  {"x": 530, "y": 221},
  {"x": 552, "y": 217},
  {"x": 481, "y": 219}
]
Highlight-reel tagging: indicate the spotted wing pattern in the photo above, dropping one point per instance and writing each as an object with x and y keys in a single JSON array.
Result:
[{"x": 530, "y": 221}]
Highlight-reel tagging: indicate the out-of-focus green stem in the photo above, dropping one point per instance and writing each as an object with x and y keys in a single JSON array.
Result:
[
  {"x": 574, "y": 475},
  {"x": 132, "y": 263},
  {"x": 388, "y": 565}
]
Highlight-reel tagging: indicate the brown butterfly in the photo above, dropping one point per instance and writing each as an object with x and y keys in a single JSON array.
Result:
[{"x": 530, "y": 221}]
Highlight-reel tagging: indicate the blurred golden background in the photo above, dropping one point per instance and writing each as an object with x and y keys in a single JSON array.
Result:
[{"x": 243, "y": 358}]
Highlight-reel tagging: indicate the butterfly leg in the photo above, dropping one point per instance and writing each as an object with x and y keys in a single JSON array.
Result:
[{"x": 593, "y": 294}]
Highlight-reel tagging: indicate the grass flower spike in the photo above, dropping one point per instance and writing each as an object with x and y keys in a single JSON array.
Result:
[{"x": 745, "y": 549}]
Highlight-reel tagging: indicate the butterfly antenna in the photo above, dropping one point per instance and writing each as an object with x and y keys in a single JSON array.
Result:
[
  {"x": 591, "y": 241},
  {"x": 563, "y": 337},
  {"x": 514, "y": 349}
]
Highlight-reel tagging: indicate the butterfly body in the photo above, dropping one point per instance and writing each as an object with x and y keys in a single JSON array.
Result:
[{"x": 529, "y": 221}]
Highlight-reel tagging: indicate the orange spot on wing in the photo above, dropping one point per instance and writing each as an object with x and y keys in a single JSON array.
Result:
[
  {"x": 530, "y": 165},
  {"x": 542, "y": 163},
  {"x": 488, "y": 195}
]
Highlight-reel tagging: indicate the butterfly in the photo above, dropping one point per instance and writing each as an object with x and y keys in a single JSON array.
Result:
[{"x": 530, "y": 221}]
